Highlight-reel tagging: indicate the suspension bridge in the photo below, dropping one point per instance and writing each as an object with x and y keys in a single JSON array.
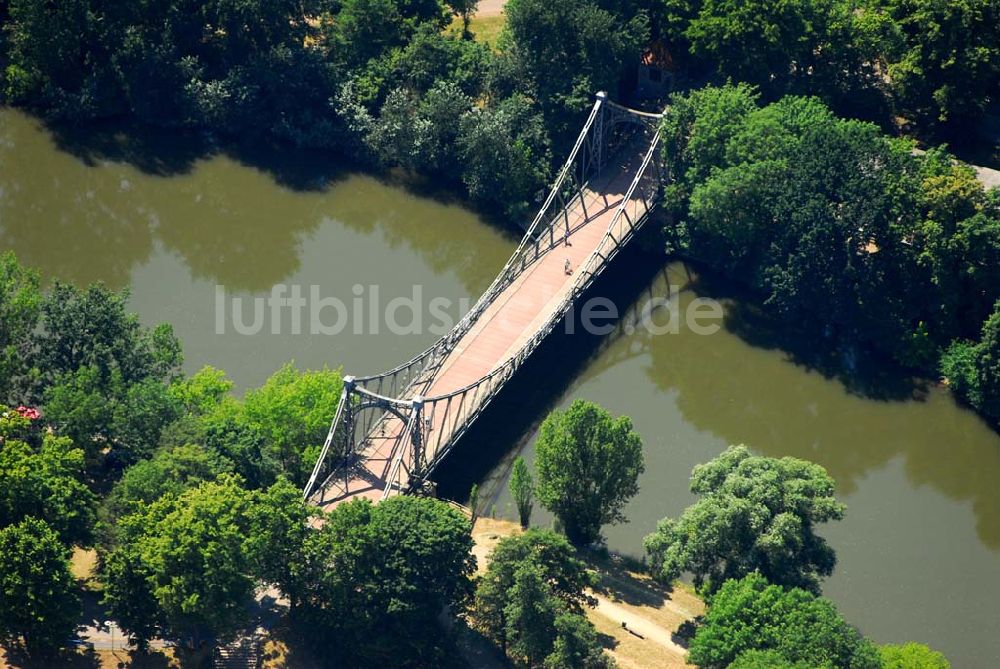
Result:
[{"x": 391, "y": 430}]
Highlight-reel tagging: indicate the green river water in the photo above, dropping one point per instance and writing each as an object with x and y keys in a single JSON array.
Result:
[{"x": 174, "y": 219}]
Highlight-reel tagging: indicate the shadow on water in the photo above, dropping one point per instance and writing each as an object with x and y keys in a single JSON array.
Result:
[
  {"x": 860, "y": 373},
  {"x": 176, "y": 151},
  {"x": 738, "y": 387},
  {"x": 93, "y": 202},
  {"x": 518, "y": 410}
]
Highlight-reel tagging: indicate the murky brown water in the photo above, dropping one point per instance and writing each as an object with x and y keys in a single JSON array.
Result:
[
  {"x": 919, "y": 550},
  {"x": 171, "y": 219}
]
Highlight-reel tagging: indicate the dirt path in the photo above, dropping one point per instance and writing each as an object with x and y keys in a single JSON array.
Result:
[
  {"x": 638, "y": 625},
  {"x": 490, "y": 8}
]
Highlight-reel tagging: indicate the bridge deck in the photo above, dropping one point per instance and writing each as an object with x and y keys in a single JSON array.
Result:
[{"x": 521, "y": 310}]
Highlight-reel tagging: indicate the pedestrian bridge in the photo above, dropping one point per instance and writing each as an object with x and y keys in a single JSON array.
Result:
[{"x": 392, "y": 430}]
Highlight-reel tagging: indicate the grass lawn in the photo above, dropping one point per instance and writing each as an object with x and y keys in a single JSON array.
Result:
[{"x": 485, "y": 29}]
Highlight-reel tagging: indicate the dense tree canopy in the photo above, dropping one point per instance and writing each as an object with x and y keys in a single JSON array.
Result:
[
  {"x": 46, "y": 482},
  {"x": 276, "y": 429},
  {"x": 948, "y": 66},
  {"x": 973, "y": 369},
  {"x": 188, "y": 564},
  {"x": 530, "y": 602},
  {"x": 911, "y": 656},
  {"x": 38, "y": 601},
  {"x": 522, "y": 489},
  {"x": 566, "y": 576},
  {"x": 755, "y": 514},
  {"x": 571, "y": 49},
  {"x": 376, "y": 577},
  {"x": 170, "y": 471},
  {"x": 588, "y": 467},
  {"x": 749, "y": 614},
  {"x": 848, "y": 235},
  {"x": 20, "y": 306}
]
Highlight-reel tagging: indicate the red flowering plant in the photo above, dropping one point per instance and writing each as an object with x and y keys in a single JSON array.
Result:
[
  {"x": 17, "y": 423},
  {"x": 28, "y": 412}
]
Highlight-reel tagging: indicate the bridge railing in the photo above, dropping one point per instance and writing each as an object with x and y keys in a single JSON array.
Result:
[
  {"x": 599, "y": 139},
  {"x": 372, "y": 401},
  {"x": 459, "y": 408}
]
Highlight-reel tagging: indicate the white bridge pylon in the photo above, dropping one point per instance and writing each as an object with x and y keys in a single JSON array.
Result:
[{"x": 391, "y": 430}]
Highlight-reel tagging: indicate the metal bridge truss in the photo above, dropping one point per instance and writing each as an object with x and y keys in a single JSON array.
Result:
[{"x": 392, "y": 406}]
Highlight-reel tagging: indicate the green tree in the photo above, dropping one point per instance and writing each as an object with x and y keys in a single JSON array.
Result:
[
  {"x": 93, "y": 327},
  {"x": 278, "y": 531},
  {"x": 505, "y": 154},
  {"x": 576, "y": 645},
  {"x": 570, "y": 50},
  {"x": 973, "y": 369},
  {"x": 376, "y": 577},
  {"x": 293, "y": 410},
  {"x": 474, "y": 502},
  {"x": 749, "y": 614},
  {"x": 988, "y": 366},
  {"x": 588, "y": 467},
  {"x": 522, "y": 489},
  {"x": 530, "y": 616},
  {"x": 911, "y": 656},
  {"x": 755, "y": 514},
  {"x": 696, "y": 128},
  {"x": 20, "y": 306},
  {"x": 808, "y": 47},
  {"x": 46, "y": 483},
  {"x": 364, "y": 29},
  {"x": 202, "y": 392},
  {"x": 170, "y": 472},
  {"x": 464, "y": 9},
  {"x": 182, "y": 564},
  {"x": 99, "y": 412},
  {"x": 38, "y": 601},
  {"x": 847, "y": 238},
  {"x": 565, "y": 575},
  {"x": 950, "y": 59},
  {"x": 44, "y": 49}
]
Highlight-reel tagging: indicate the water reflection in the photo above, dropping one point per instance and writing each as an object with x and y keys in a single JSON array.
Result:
[
  {"x": 88, "y": 204},
  {"x": 172, "y": 216},
  {"x": 745, "y": 394}
]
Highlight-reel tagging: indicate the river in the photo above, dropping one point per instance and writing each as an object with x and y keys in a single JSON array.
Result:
[{"x": 177, "y": 220}]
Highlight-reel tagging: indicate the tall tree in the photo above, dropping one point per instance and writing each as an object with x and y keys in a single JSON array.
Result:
[
  {"x": 988, "y": 366},
  {"x": 38, "y": 601},
  {"x": 170, "y": 471},
  {"x": 571, "y": 50},
  {"x": 911, "y": 656},
  {"x": 20, "y": 306},
  {"x": 182, "y": 564},
  {"x": 755, "y": 514},
  {"x": 588, "y": 467},
  {"x": 522, "y": 489},
  {"x": 530, "y": 616},
  {"x": 949, "y": 67},
  {"x": 566, "y": 576}
]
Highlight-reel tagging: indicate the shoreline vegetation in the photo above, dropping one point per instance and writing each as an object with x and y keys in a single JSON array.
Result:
[
  {"x": 488, "y": 117},
  {"x": 793, "y": 181}
]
